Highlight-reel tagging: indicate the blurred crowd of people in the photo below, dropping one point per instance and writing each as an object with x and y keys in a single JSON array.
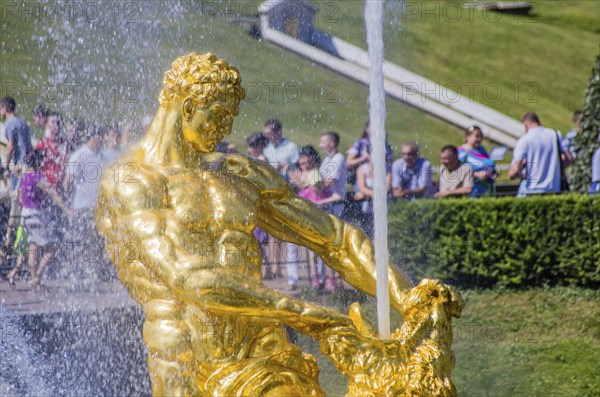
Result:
[
  {"x": 343, "y": 184},
  {"x": 48, "y": 192},
  {"x": 50, "y": 187}
]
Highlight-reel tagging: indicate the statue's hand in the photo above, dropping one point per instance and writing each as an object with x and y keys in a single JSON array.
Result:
[
  {"x": 420, "y": 349},
  {"x": 358, "y": 353},
  {"x": 310, "y": 319},
  {"x": 324, "y": 320}
]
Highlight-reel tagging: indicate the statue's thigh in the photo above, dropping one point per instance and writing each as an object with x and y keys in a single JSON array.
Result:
[
  {"x": 165, "y": 333},
  {"x": 260, "y": 377},
  {"x": 170, "y": 362}
]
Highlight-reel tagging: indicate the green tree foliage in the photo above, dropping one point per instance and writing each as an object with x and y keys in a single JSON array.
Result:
[
  {"x": 586, "y": 141},
  {"x": 546, "y": 240}
]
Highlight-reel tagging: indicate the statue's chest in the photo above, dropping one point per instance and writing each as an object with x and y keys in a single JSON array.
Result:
[{"x": 213, "y": 200}]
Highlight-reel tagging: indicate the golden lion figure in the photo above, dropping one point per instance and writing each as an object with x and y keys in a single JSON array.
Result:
[{"x": 178, "y": 221}]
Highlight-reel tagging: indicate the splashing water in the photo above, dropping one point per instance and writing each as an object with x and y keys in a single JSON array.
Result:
[
  {"x": 23, "y": 371},
  {"x": 104, "y": 60},
  {"x": 374, "y": 23}
]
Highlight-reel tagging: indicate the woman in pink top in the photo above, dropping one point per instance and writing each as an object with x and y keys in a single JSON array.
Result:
[
  {"x": 308, "y": 184},
  {"x": 37, "y": 220}
]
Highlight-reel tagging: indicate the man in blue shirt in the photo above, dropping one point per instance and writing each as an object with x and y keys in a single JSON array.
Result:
[
  {"x": 537, "y": 153},
  {"x": 280, "y": 152},
  {"x": 18, "y": 146},
  {"x": 411, "y": 174},
  {"x": 17, "y": 132}
]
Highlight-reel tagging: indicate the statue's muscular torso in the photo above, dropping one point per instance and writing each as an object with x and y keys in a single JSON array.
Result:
[{"x": 209, "y": 213}]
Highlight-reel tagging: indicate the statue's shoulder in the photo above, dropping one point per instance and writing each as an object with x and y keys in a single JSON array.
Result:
[
  {"x": 258, "y": 172},
  {"x": 232, "y": 164},
  {"x": 133, "y": 177},
  {"x": 237, "y": 162}
]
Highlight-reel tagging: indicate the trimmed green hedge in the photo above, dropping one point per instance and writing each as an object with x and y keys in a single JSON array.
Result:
[{"x": 545, "y": 240}]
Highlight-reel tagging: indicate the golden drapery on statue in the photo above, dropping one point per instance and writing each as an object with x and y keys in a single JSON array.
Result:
[{"x": 178, "y": 221}]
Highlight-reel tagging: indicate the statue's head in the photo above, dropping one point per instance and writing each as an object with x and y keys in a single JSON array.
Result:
[{"x": 207, "y": 91}]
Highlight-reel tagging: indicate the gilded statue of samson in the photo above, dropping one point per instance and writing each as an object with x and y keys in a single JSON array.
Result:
[{"x": 182, "y": 220}]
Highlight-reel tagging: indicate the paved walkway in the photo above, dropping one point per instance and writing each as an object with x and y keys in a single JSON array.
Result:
[{"x": 61, "y": 295}]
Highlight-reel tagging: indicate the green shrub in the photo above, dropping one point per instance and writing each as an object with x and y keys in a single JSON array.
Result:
[
  {"x": 586, "y": 141},
  {"x": 546, "y": 240}
]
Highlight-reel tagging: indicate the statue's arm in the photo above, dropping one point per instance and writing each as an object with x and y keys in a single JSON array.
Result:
[
  {"x": 343, "y": 247},
  {"x": 134, "y": 215}
]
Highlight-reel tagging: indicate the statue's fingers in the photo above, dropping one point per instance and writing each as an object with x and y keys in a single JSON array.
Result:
[{"x": 361, "y": 322}]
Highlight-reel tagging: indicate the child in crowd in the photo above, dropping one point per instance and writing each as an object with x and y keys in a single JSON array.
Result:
[{"x": 306, "y": 179}]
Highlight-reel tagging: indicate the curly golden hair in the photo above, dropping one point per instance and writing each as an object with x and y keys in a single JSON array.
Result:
[{"x": 202, "y": 77}]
